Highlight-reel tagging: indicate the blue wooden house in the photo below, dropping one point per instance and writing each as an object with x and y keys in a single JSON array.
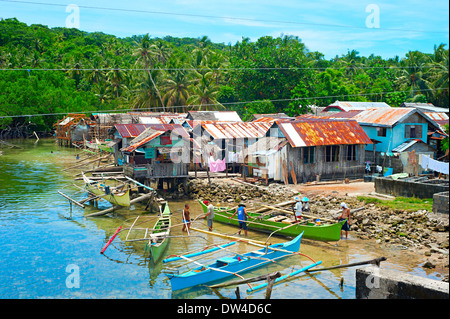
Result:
[{"x": 390, "y": 127}]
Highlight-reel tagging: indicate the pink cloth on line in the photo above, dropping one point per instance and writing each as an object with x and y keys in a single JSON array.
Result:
[{"x": 217, "y": 166}]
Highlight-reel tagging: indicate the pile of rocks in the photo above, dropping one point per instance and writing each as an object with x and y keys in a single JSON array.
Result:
[
  {"x": 233, "y": 192},
  {"x": 412, "y": 229}
]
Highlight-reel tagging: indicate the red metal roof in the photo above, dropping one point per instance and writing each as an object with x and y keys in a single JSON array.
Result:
[
  {"x": 134, "y": 130},
  {"x": 314, "y": 132}
]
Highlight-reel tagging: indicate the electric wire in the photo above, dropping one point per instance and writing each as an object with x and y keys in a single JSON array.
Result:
[
  {"x": 222, "y": 17},
  {"x": 214, "y": 104}
]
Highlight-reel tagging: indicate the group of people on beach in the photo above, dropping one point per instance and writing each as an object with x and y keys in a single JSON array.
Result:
[{"x": 300, "y": 206}]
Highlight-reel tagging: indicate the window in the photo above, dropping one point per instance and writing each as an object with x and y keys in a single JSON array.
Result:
[
  {"x": 308, "y": 154},
  {"x": 332, "y": 153},
  {"x": 381, "y": 131},
  {"x": 413, "y": 131},
  {"x": 351, "y": 153}
]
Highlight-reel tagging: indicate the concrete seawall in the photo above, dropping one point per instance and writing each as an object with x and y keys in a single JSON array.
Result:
[
  {"x": 410, "y": 187},
  {"x": 440, "y": 203},
  {"x": 376, "y": 283}
]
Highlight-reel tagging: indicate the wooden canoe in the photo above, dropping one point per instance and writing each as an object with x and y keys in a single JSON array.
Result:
[
  {"x": 269, "y": 224},
  {"x": 114, "y": 197},
  {"x": 226, "y": 267},
  {"x": 157, "y": 240}
]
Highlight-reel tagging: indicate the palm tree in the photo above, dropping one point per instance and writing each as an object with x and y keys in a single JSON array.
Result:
[
  {"x": 101, "y": 93},
  {"x": 204, "y": 94},
  {"x": 145, "y": 97},
  {"x": 438, "y": 74},
  {"x": 145, "y": 55},
  {"x": 116, "y": 79},
  {"x": 351, "y": 62},
  {"x": 95, "y": 75},
  {"x": 176, "y": 87},
  {"x": 412, "y": 77}
]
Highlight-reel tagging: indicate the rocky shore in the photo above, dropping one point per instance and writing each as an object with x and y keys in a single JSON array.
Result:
[{"x": 420, "y": 231}]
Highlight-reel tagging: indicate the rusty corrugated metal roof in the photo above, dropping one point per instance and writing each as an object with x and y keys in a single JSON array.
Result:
[
  {"x": 237, "y": 130},
  {"x": 383, "y": 116},
  {"x": 350, "y": 105},
  {"x": 439, "y": 117},
  {"x": 314, "y": 132},
  {"x": 134, "y": 130}
]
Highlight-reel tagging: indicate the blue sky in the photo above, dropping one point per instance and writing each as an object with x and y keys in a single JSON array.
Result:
[{"x": 328, "y": 26}]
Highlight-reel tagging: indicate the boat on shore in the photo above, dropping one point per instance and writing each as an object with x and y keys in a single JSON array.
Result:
[
  {"x": 234, "y": 266},
  {"x": 280, "y": 225},
  {"x": 113, "y": 195}
]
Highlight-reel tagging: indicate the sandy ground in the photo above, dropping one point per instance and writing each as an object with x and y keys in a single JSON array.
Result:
[{"x": 351, "y": 189}]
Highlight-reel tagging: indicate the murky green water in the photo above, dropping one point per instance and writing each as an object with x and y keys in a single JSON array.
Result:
[{"x": 46, "y": 254}]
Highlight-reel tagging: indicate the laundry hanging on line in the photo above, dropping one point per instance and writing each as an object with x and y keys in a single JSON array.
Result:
[
  {"x": 430, "y": 164},
  {"x": 217, "y": 166}
]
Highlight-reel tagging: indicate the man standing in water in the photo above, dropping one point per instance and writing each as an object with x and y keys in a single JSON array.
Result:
[
  {"x": 209, "y": 214},
  {"x": 242, "y": 218},
  {"x": 345, "y": 215},
  {"x": 186, "y": 218}
]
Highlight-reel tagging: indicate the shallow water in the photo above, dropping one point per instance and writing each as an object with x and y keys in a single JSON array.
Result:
[{"x": 48, "y": 252}]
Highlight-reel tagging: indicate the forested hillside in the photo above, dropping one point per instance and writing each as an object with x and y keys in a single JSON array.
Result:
[{"x": 60, "y": 70}]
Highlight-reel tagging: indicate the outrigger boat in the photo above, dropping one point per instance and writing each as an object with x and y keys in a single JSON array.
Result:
[
  {"x": 158, "y": 238},
  {"x": 280, "y": 225},
  {"x": 112, "y": 195},
  {"x": 233, "y": 266}
]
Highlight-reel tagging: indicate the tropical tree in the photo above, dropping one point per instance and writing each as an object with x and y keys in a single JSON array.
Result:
[
  {"x": 438, "y": 74},
  {"x": 411, "y": 76},
  {"x": 145, "y": 96},
  {"x": 145, "y": 55},
  {"x": 176, "y": 87},
  {"x": 204, "y": 94}
]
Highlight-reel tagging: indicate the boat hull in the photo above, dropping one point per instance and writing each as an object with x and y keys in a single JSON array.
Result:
[
  {"x": 325, "y": 232},
  {"x": 162, "y": 226},
  {"x": 121, "y": 199},
  {"x": 227, "y": 267}
]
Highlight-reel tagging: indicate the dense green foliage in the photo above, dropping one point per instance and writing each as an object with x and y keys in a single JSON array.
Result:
[{"x": 62, "y": 70}]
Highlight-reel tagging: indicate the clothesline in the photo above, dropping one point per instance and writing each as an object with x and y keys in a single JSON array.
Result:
[{"x": 431, "y": 164}]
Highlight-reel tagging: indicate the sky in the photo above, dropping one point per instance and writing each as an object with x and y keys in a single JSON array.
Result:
[{"x": 384, "y": 28}]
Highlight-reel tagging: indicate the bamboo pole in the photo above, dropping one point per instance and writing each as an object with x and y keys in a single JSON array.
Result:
[
  {"x": 249, "y": 280},
  {"x": 71, "y": 199},
  {"x": 248, "y": 241},
  {"x": 286, "y": 276},
  {"x": 78, "y": 165},
  {"x": 289, "y": 212},
  {"x": 375, "y": 261},
  {"x": 109, "y": 210},
  {"x": 250, "y": 222}
]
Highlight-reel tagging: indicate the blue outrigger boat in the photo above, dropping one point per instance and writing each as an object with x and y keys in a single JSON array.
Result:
[{"x": 233, "y": 266}]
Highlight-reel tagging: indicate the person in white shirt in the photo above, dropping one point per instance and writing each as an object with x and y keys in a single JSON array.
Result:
[{"x": 297, "y": 209}]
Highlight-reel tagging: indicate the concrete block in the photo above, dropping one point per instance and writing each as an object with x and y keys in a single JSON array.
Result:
[
  {"x": 377, "y": 283},
  {"x": 440, "y": 203}
]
